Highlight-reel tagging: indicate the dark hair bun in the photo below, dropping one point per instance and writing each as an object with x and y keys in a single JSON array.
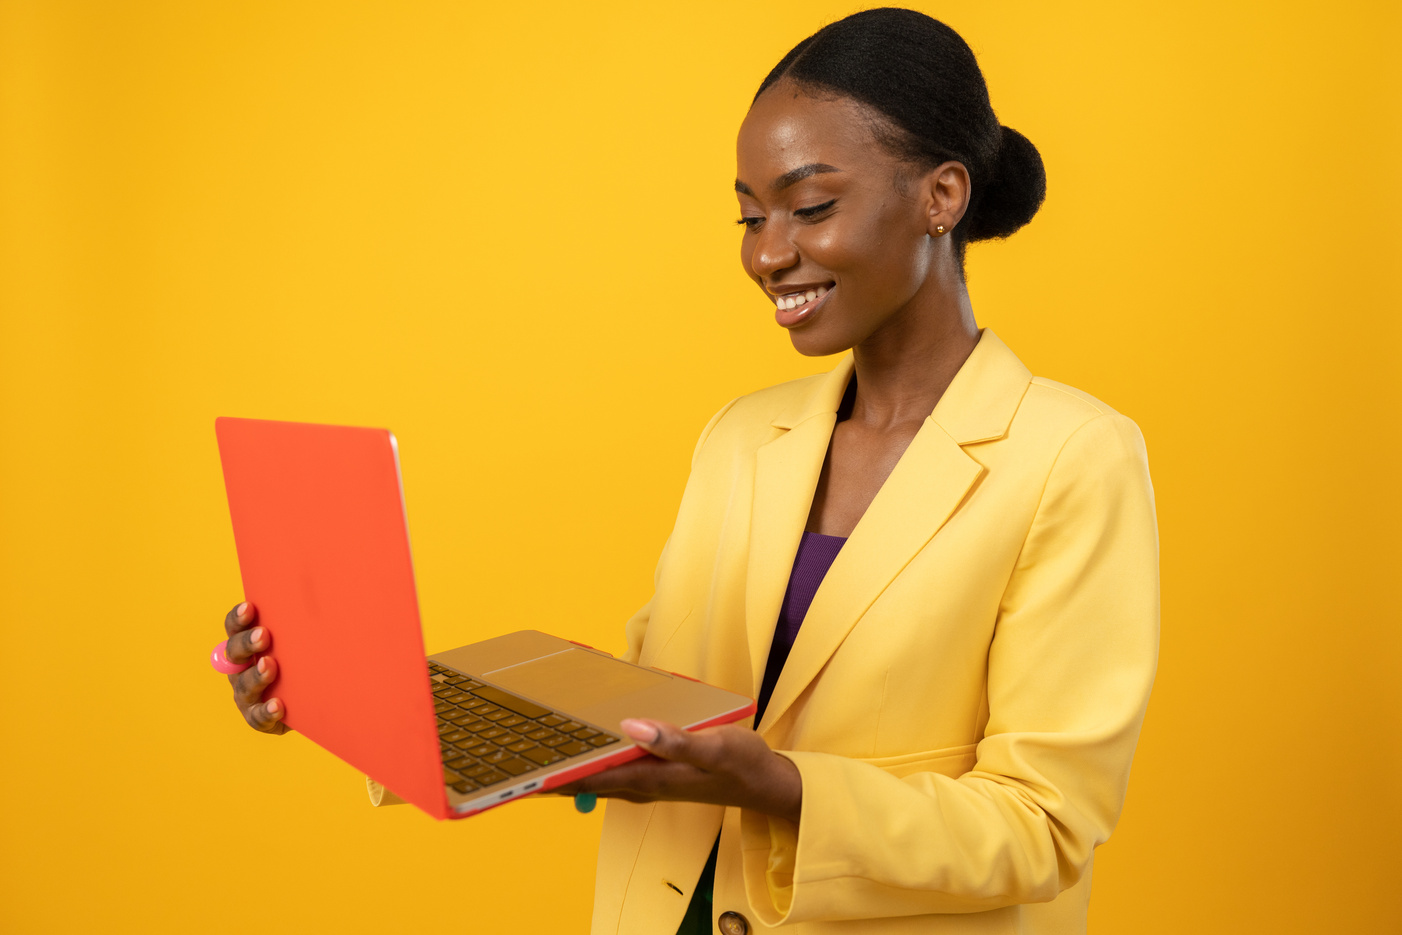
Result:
[{"x": 1017, "y": 188}]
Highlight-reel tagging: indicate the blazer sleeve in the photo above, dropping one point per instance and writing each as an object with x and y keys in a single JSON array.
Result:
[
  {"x": 636, "y": 628},
  {"x": 1070, "y": 667}
]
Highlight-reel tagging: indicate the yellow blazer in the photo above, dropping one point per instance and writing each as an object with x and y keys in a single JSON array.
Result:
[{"x": 965, "y": 694}]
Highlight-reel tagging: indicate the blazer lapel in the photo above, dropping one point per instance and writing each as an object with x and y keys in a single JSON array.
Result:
[
  {"x": 786, "y": 477},
  {"x": 929, "y": 482}
]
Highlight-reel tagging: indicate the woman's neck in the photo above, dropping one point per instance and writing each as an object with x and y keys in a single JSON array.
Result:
[{"x": 904, "y": 369}]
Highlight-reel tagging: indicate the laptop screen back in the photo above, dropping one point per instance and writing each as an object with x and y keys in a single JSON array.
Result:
[{"x": 319, "y": 524}]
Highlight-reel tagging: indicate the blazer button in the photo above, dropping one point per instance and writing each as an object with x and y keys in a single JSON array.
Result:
[{"x": 732, "y": 923}]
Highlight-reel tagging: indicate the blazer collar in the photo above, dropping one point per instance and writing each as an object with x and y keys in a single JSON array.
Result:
[
  {"x": 925, "y": 488},
  {"x": 978, "y": 405}
]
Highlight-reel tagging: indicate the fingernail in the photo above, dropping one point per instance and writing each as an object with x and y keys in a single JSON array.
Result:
[
  {"x": 263, "y": 666},
  {"x": 641, "y": 731},
  {"x": 242, "y": 609},
  {"x": 584, "y": 802},
  {"x": 256, "y": 637},
  {"x": 275, "y": 708}
]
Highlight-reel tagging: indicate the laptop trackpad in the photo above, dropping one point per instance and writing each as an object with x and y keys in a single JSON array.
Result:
[{"x": 574, "y": 679}]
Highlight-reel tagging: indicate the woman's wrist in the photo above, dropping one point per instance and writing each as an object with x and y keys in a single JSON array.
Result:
[{"x": 786, "y": 790}]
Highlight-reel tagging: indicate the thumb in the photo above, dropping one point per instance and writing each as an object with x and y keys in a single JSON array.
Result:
[{"x": 659, "y": 738}]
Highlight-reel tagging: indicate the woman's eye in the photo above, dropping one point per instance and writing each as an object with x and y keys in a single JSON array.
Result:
[
  {"x": 751, "y": 223},
  {"x": 816, "y": 210}
]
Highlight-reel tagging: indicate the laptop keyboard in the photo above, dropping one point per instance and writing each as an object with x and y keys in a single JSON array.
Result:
[{"x": 488, "y": 736}]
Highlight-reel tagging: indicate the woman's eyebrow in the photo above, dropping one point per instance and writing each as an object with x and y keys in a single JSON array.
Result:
[{"x": 790, "y": 177}]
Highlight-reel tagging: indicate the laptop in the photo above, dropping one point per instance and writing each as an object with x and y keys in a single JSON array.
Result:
[{"x": 323, "y": 548}]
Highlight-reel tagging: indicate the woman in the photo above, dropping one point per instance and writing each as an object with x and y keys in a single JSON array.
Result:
[{"x": 947, "y": 737}]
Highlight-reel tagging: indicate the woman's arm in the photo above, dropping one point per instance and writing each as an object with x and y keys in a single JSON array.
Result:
[{"x": 636, "y": 627}]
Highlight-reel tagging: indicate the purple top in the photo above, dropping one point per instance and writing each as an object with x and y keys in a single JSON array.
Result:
[{"x": 816, "y": 554}]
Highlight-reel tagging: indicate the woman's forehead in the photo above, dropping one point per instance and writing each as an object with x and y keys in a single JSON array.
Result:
[{"x": 788, "y": 127}]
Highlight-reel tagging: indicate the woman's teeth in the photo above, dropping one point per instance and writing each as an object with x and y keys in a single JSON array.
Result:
[{"x": 796, "y": 299}]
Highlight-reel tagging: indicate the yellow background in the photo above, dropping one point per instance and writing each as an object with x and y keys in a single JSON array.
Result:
[{"x": 505, "y": 232}]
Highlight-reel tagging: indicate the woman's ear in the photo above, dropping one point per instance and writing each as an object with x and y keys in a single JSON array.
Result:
[{"x": 948, "y": 191}]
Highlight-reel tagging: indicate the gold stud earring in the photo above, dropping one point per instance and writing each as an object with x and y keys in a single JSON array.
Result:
[{"x": 939, "y": 229}]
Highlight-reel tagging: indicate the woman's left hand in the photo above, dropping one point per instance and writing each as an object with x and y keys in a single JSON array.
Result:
[{"x": 719, "y": 766}]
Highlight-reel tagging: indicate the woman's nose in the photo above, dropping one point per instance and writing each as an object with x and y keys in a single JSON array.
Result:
[{"x": 773, "y": 251}]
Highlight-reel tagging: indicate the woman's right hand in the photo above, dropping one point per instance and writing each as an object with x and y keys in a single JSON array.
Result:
[{"x": 246, "y": 640}]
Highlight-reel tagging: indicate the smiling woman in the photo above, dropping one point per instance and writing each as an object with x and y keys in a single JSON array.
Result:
[{"x": 937, "y": 572}]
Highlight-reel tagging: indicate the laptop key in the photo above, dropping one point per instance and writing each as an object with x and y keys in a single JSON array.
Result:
[
  {"x": 455, "y": 736},
  {"x": 461, "y": 762},
  {"x": 554, "y": 740},
  {"x": 573, "y": 748},
  {"x": 488, "y": 779},
  {"x": 483, "y": 749},
  {"x": 493, "y": 733},
  {"x": 465, "y": 786},
  {"x": 603, "y": 740},
  {"x": 521, "y": 746},
  {"x": 512, "y": 721},
  {"x": 515, "y": 766},
  {"x": 569, "y": 727},
  {"x": 496, "y": 756},
  {"x": 553, "y": 720},
  {"x": 472, "y": 772},
  {"x": 583, "y": 734},
  {"x": 542, "y": 755},
  {"x": 450, "y": 777}
]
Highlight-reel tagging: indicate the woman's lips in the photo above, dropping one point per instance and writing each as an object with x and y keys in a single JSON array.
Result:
[{"x": 790, "y": 317}]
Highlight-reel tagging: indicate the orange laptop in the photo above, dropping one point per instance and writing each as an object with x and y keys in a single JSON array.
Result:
[{"x": 319, "y": 522}]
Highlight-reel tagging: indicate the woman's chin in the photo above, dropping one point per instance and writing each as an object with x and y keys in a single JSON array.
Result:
[{"x": 811, "y": 343}]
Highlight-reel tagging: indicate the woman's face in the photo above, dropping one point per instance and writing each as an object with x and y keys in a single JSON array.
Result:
[{"x": 837, "y": 230}]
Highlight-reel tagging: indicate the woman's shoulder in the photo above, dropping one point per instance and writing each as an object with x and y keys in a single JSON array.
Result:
[
  {"x": 783, "y": 405},
  {"x": 783, "y": 402},
  {"x": 760, "y": 416},
  {"x": 1071, "y": 426},
  {"x": 1048, "y": 399}
]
